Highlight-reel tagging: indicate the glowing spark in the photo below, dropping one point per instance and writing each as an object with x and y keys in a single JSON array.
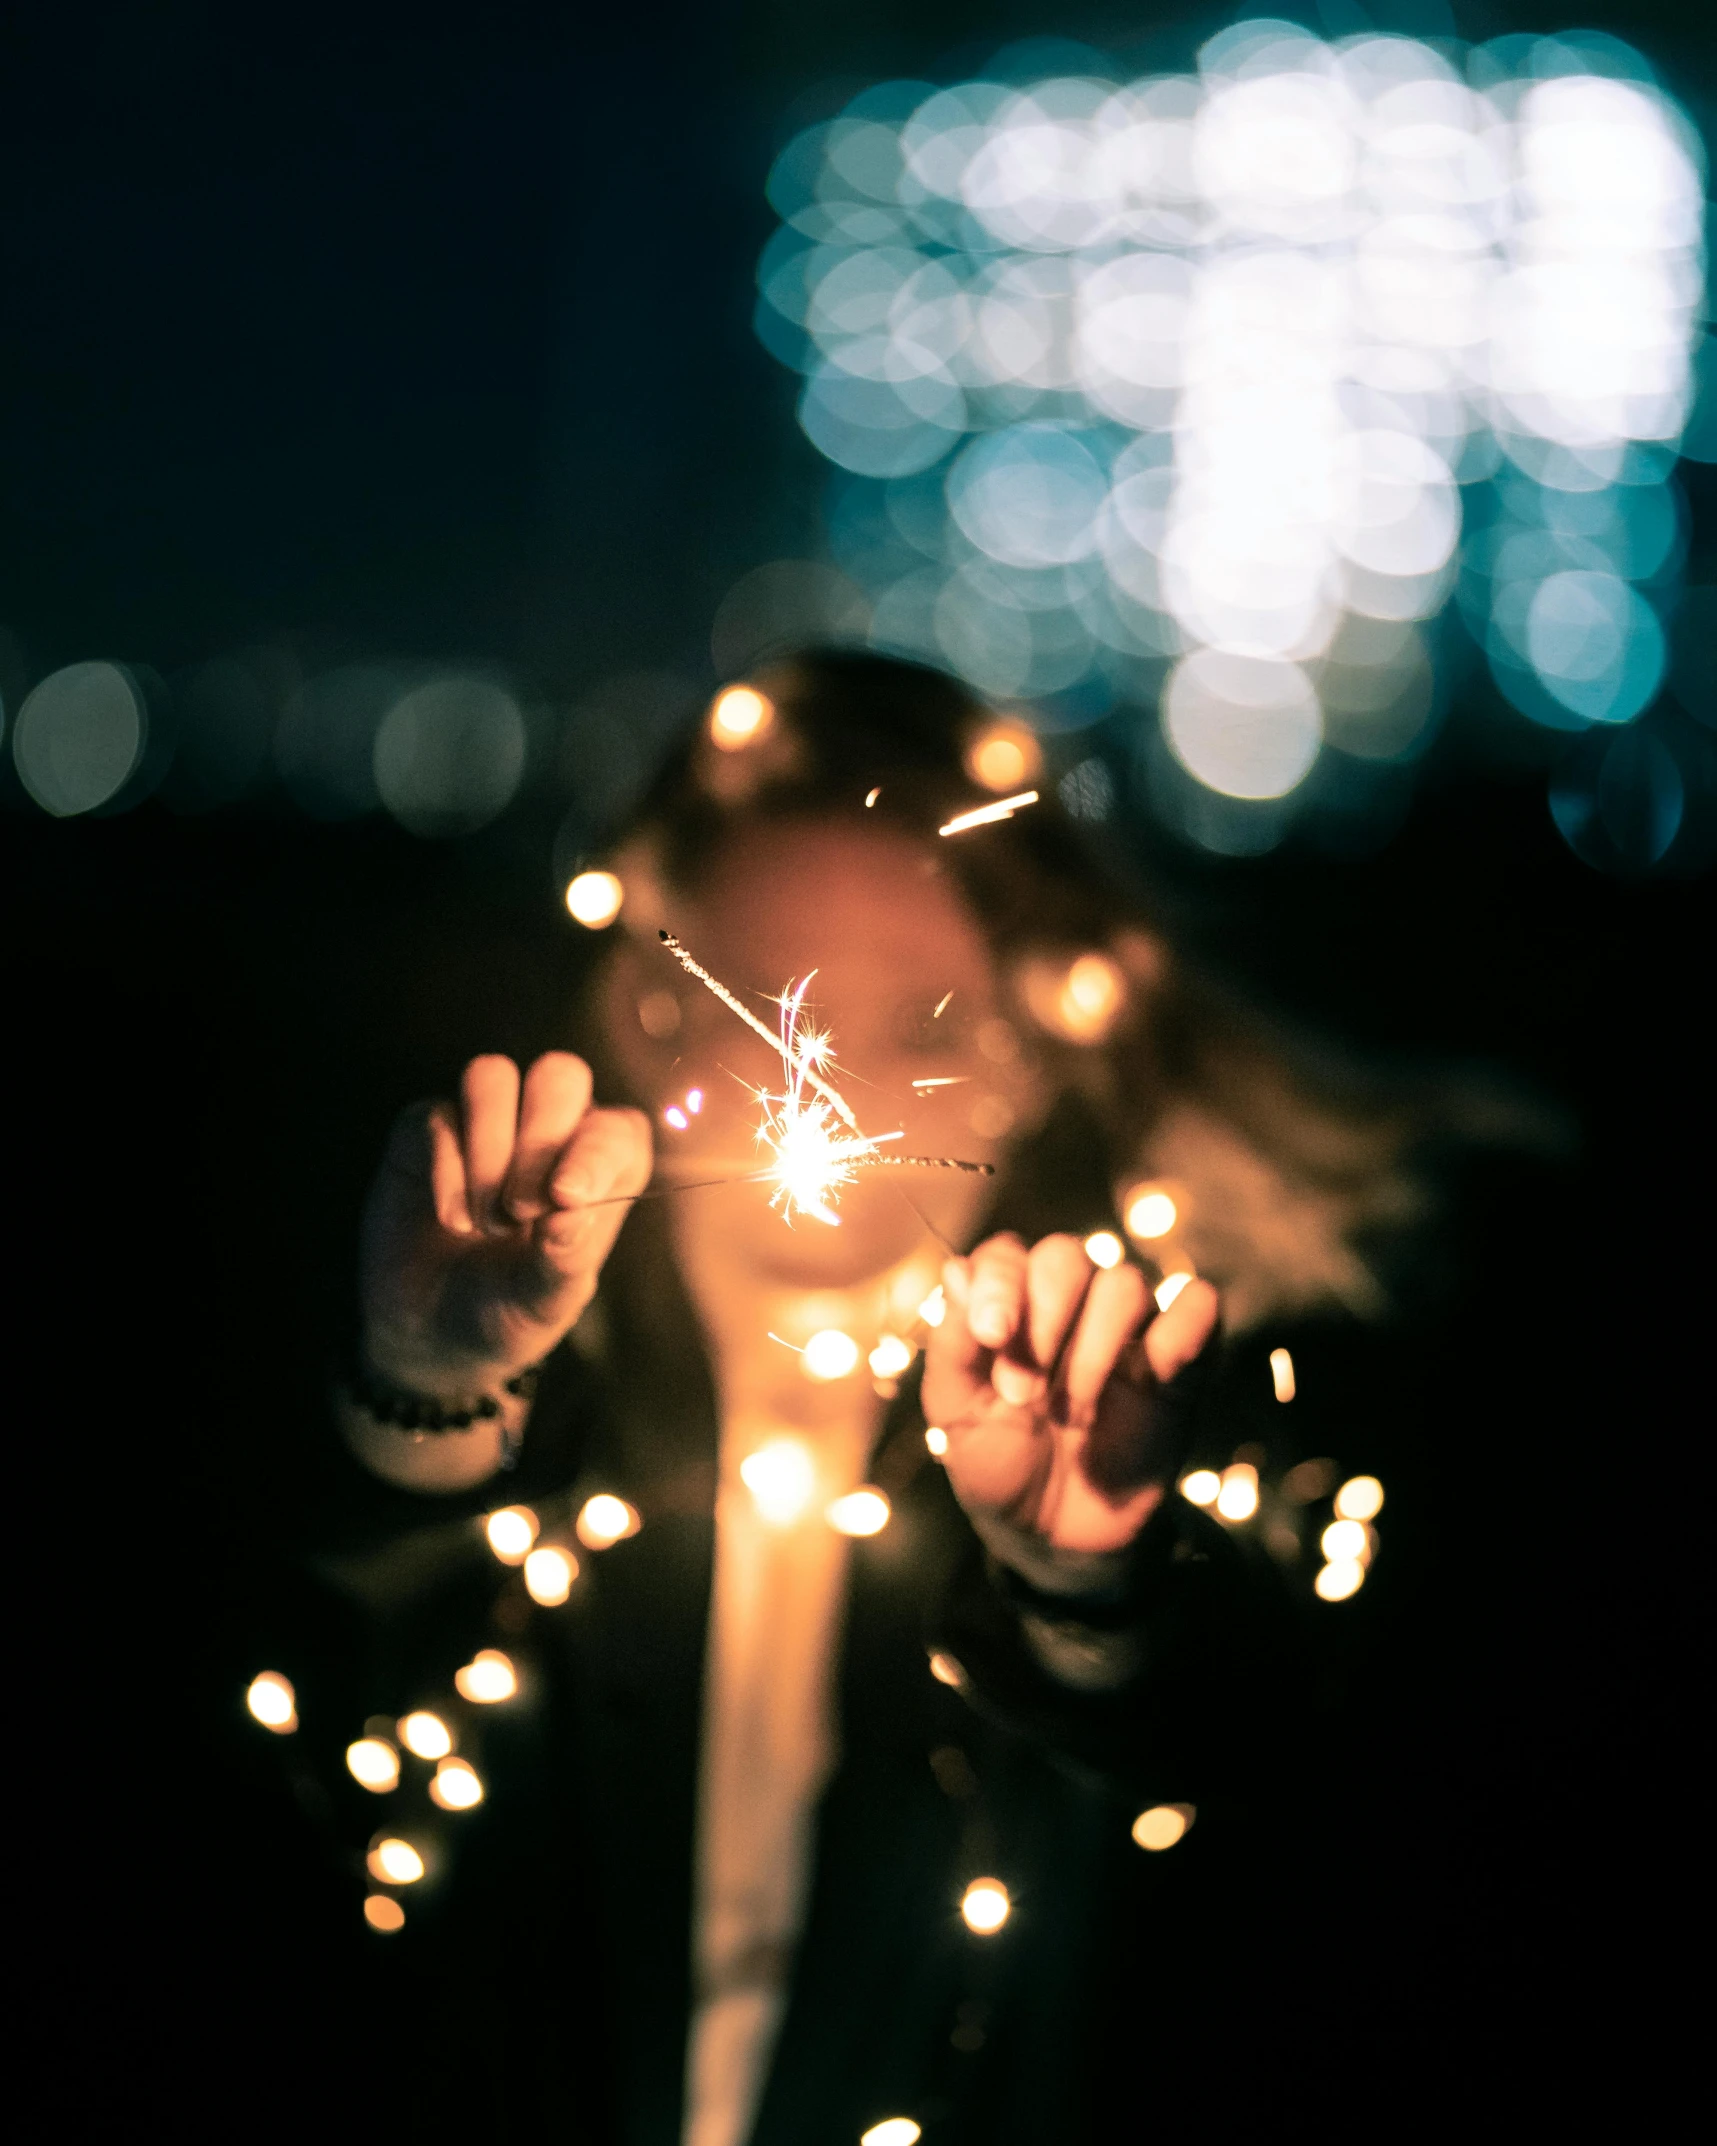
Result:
[
  {"x": 872, "y": 798},
  {"x": 1004, "y": 808},
  {"x": 948, "y": 1080},
  {"x": 837, "y": 1102},
  {"x": 941, "y": 1005},
  {"x": 813, "y": 1156}
]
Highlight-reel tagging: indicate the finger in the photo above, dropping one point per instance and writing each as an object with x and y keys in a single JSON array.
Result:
[
  {"x": 447, "y": 1173},
  {"x": 1146, "y": 1419},
  {"x": 995, "y": 1295},
  {"x": 1175, "y": 1337},
  {"x": 489, "y": 1112},
  {"x": 556, "y": 1096},
  {"x": 1116, "y": 1306},
  {"x": 1058, "y": 1274},
  {"x": 607, "y": 1160},
  {"x": 956, "y": 1363},
  {"x": 607, "y": 1156},
  {"x": 998, "y": 1464}
]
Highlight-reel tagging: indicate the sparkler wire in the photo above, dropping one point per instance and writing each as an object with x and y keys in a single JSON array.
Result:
[{"x": 757, "y": 1177}]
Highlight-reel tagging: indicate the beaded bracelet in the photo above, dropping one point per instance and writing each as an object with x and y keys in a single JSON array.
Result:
[{"x": 403, "y": 1410}]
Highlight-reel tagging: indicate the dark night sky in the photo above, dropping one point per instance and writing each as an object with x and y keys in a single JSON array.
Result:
[{"x": 383, "y": 326}]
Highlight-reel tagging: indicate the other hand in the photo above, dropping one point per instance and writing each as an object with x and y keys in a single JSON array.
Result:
[{"x": 1052, "y": 1378}]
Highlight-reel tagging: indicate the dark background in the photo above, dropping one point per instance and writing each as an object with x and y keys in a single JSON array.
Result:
[{"x": 425, "y": 334}]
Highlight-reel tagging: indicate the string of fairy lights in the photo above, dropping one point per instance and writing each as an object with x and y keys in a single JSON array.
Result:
[
  {"x": 815, "y": 1143},
  {"x": 781, "y": 1476}
]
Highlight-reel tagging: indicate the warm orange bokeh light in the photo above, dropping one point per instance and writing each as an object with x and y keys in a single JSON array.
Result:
[
  {"x": 394, "y": 1862},
  {"x": 373, "y": 1764},
  {"x": 860, "y": 1512},
  {"x": 1004, "y": 757},
  {"x": 1238, "y": 1497},
  {"x": 1149, "y": 1212},
  {"x": 426, "y": 1735},
  {"x": 511, "y": 1532},
  {"x": 603, "y": 1520},
  {"x": 456, "y": 1787},
  {"x": 549, "y": 1574},
  {"x": 1359, "y": 1498},
  {"x": 986, "y": 1906},
  {"x": 273, "y": 1702},
  {"x": 1162, "y": 1826},
  {"x": 593, "y": 899},
  {"x": 487, "y": 1678},
  {"x": 740, "y": 717},
  {"x": 782, "y": 1479}
]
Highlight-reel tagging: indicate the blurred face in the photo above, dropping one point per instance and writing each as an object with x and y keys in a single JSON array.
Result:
[{"x": 891, "y": 941}]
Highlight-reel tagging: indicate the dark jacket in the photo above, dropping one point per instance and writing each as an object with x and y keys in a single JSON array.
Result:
[{"x": 544, "y": 1969}]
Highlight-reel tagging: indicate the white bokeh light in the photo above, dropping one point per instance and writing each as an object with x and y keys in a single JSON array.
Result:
[
  {"x": 1244, "y": 726},
  {"x": 1208, "y": 365}
]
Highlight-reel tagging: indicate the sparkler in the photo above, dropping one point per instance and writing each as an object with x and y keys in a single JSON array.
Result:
[
  {"x": 809, "y": 1129},
  {"x": 805, "y": 1051}
]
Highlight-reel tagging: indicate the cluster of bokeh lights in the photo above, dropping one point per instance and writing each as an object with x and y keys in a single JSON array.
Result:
[
  {"x": 1221, "y": 395},
  {"x": 1210, "y": 389}
]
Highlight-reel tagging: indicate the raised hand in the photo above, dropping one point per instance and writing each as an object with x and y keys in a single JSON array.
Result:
[
  {"x": 1052, "y": 1379},
  {"x": 480, "y": 1247}
]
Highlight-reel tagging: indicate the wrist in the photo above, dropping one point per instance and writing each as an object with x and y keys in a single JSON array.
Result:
[
  {"x": 1084, "y": 1580},
  {"x": 409, "y": 1390},
  {"x": 392, "y": 1355}
]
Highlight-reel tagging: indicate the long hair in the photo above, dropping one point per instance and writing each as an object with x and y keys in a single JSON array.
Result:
[{"x": 1284, "y": 1170}]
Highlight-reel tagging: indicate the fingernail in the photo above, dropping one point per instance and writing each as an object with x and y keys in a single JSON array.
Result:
[{"x": 990, "y": 1323}]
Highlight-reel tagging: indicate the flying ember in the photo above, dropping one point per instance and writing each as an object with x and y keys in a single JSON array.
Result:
[{"x": 1004, "y": 808}]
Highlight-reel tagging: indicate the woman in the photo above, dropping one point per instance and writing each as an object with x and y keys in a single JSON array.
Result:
[{"x": 767, "y": 1755}]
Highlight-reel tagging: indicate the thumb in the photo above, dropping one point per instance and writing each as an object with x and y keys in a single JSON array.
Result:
[{"x": 421, "y": 1172}]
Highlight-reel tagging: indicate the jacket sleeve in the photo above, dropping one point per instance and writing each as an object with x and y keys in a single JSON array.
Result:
[
  {"x": 1173, "y": 1666},
  {"x": 1167, "y": 1678},
  {"x": 384, "y": 1545}
]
